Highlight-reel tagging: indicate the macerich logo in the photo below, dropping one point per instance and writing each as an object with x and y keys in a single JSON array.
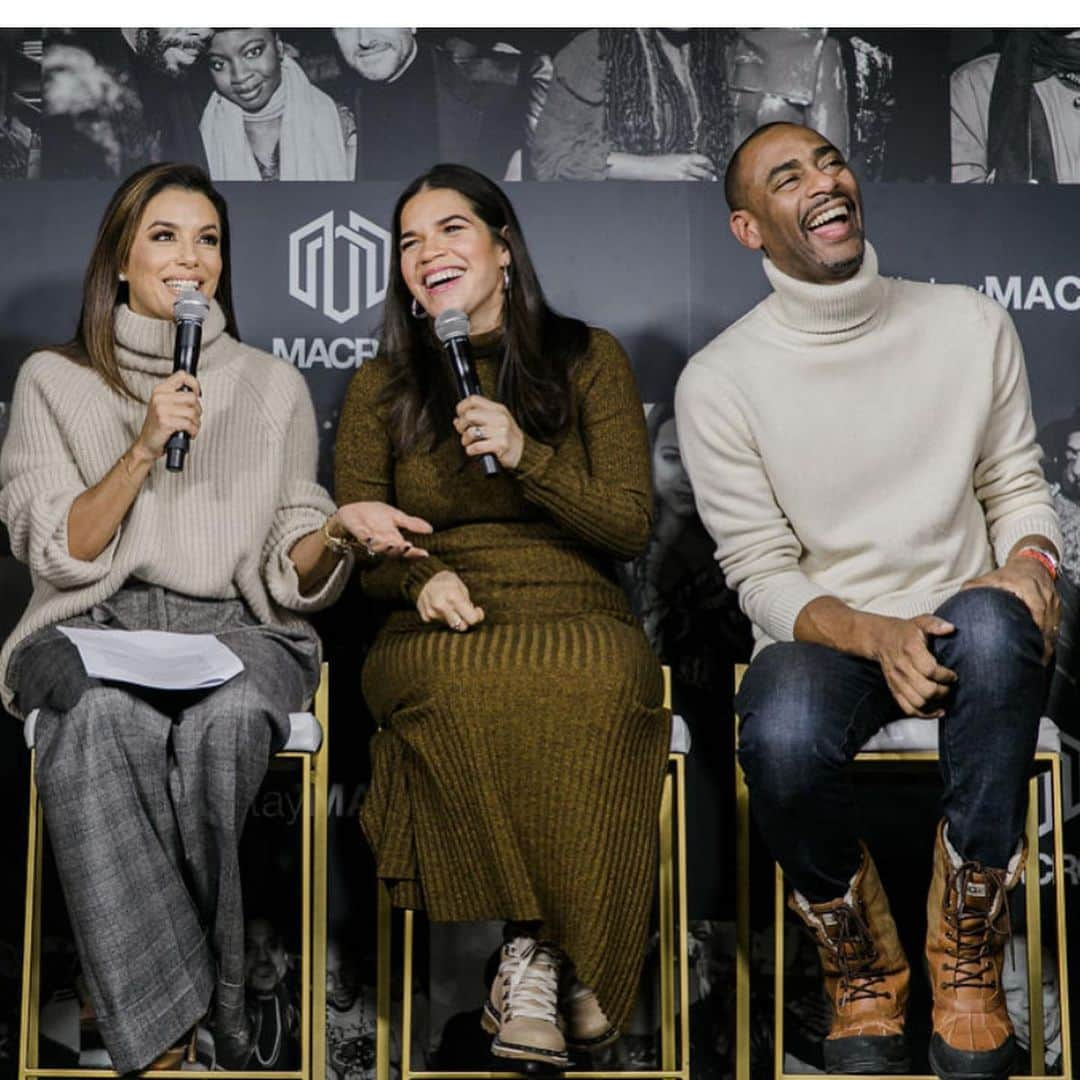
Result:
[{"x": 321, "y": 272}]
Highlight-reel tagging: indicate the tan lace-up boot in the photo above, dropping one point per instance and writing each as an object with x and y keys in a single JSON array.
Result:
[
  {"x": 522, "y": 1008},
  {"x": 967, "y": 928},
  {"x": 866, "y": 976},
  {"x": 587, "y": 1025}
]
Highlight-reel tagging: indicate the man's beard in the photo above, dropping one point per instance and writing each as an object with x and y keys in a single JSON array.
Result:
[{"x": 159, "y": 49}]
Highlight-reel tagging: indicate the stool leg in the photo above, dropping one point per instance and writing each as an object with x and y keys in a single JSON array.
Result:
[
  {"x": 407, "y": 997},
  {"x": 742, "y": 917},
  {"x": 382, "y": 992},
  {"x": 319, "y": 790},
  {"x": 1034, "y": 934},
  {"x": 305, "y": 916},
  {"x": 31, "y": 976},
  {"x": 667, "y": 931},
  {"x": 778, "y": 977},
  {"x": 1059, "y": 906},
  {"x": 682, "y": 942}
]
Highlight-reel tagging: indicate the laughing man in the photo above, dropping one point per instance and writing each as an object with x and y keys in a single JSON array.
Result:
[{"x": 863, "y": 453}]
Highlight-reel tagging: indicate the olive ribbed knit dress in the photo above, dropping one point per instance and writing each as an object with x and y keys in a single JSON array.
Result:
[{"x": 517, "y": 770}]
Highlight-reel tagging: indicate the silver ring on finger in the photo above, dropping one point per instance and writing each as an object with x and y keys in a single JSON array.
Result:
[
  {"x": 456, "y": 624},
  {"x": 478, "y": 432}
]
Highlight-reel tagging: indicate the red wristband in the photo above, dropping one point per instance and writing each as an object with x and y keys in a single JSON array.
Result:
[{"x": 1042, "y": 557}]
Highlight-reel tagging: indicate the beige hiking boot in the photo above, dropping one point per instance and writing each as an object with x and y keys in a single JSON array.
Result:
[
  {"x": 522, "y": 1008},
  {"x": 587, "y": 1026}
]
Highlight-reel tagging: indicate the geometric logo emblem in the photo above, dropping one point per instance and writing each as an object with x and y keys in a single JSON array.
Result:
[{"x": 325, "y": 263}]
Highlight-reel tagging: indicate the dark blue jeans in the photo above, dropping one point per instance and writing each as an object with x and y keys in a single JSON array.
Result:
[{"x": 806, "y": 710}]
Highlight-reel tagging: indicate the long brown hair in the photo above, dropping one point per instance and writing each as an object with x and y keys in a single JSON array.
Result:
[
  {"x": 93, "y": 343},
  {"x": 539, "y": 346}
]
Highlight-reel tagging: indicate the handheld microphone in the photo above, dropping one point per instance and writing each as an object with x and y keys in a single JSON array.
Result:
[
  {"x": 452, "y": 329},
  {"x": 189, "y": 311}
]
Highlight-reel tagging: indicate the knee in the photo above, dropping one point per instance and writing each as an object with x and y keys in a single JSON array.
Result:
[
  {"x": 783, "y": 743},
  {"x": 995, "y": 636},
  {"x": 101, "y": 726},
  {"x": 239, "y": 713}
]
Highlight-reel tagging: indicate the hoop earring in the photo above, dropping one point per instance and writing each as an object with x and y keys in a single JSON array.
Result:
[
  {"x": 506, "y": 278},
  {"x": 416, "y": 310}
]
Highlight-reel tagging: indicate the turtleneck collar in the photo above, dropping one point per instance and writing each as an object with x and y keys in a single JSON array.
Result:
[
  {"x": 486, "y": 345},
  {"x": 827, "y": 309},
  {"x": 145, "y": 344}
]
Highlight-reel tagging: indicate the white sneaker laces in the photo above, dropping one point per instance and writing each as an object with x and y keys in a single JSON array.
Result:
[{"x": 530, "y": 973}]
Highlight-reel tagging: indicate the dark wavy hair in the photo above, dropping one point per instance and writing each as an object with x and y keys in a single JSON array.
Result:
[
  {"x": 540, "y": 347},
  {"x": 645, "y": 104},
  {"x": 93, "y": 343}
]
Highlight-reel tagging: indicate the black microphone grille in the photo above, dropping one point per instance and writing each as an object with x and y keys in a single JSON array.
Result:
[
  {"x": 451, "y": 323},
  {"x": 191, "y": 306}
]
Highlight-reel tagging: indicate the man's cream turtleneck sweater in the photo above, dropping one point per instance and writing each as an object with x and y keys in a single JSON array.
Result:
[
  {"x": 220, "y": 529},
  {"x": 870, "y": 440}
]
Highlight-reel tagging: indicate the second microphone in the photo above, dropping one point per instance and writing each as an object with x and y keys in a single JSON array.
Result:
[{"x": 452, "y": 329}]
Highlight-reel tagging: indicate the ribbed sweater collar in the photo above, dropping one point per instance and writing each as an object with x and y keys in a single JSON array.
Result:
[
  {"x": 145, "y": 344},
  {"x": 827, "y": 309}
]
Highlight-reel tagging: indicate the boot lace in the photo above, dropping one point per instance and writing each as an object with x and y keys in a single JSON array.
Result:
[
  {"x": 853, "y": 946},
  {"x": 972, "y": 934},
  {"x": 530, "y": 972}
]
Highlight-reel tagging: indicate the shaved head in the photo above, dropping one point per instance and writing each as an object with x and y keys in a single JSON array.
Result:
[{"x": 735, "y": 190}]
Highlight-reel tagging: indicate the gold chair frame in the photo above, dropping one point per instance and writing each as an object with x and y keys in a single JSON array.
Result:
[
  {"x": 313, "y": 929},
  {"x": 1051, "y": 760},
  {"x": 673, "y": 946}
]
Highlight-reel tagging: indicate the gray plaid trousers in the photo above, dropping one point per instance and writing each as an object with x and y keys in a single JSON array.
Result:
[{"x": 145, "y": 794}]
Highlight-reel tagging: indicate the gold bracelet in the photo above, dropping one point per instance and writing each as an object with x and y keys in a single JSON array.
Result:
[{"x": 340, "y": 544}]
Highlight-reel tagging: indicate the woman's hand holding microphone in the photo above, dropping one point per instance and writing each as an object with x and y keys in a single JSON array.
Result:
[
  {"x": 175, "y": 405},
  {"x": 487, "y": 427}
]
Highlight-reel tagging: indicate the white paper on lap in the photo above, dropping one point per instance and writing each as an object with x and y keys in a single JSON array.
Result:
[{"x": 155, "y": 657}]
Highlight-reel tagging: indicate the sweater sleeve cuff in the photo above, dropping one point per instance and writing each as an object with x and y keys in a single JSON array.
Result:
[
  {"x": 418, "y": 575},
  {"x": 535, "y": 458},
  {"x": 1036, "y": 523},
  {"x": 282, "y": 580},
  {"x": 783, "y": 612},
  {"x": 61, "y": 569}
]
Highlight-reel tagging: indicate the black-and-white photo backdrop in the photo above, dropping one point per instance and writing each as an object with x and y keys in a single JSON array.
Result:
[{"x": 312, "y": 134}]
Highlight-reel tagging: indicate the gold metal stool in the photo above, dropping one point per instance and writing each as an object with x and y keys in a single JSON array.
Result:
[
  {"x": 308, "y": 744},
  {"x": 879, "y": 748},
  {"x": 674, "y": 970}
]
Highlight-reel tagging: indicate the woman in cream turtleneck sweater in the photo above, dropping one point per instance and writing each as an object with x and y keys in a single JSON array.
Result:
[{"x": 145, "y": 791}]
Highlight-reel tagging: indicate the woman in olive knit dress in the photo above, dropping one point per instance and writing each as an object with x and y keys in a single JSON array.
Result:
[{"x": 522, "y": 740}]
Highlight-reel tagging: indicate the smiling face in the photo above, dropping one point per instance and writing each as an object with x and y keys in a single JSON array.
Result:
[
  {"x": 176, "y": 247},
  {"x": 245, "y": 66},
  {"x": 377, "y": 54},
  {"x": 451, "y": 259},
  {"x": 801, "y": 205}
]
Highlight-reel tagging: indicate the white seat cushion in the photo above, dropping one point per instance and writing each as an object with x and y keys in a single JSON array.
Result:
[
  {"x": 914, "y": 733},
  {"x": 305, "y": 733},
  {"x": 680, "y": 735}
]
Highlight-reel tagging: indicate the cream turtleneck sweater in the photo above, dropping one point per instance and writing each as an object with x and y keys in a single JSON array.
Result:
[
  {"x": 870, "y": 440},
  {"x": 220, "y": 529}
]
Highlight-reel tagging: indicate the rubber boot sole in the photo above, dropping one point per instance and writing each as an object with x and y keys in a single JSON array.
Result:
[
  {"x": 873, "y": 1055},
  {"x": 553, "y": 1058},
  {"x": 951, "y": 1064}
]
